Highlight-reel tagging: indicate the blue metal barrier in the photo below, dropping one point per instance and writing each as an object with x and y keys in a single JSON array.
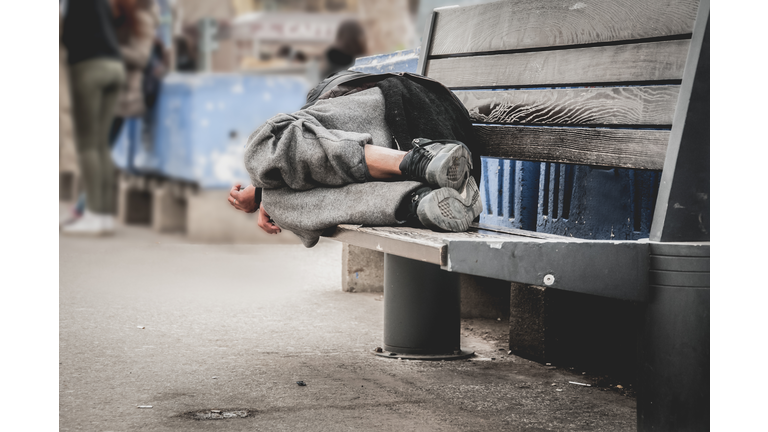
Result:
[
  {"x": 202, "y": 123},
  {"x": 509, "y": 190},
  {"x": 571, "y": 200},
  {"x": 595, "y": 203}
]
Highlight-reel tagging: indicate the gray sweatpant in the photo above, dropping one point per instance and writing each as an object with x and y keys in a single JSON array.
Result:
[{"x": 311, "y": 165}]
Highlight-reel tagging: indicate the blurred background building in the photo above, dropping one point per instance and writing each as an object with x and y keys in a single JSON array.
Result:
[{"x": 254, "y": 34}]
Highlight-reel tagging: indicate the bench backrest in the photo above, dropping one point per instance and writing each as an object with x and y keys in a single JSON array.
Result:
[{"x": 593, "y": 83}]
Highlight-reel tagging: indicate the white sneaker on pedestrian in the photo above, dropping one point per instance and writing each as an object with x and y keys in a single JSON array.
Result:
[
  {"x": 69, "y": 217},
  {"x": 108, "y": 221},
  {"x": 89, "y": 223}
]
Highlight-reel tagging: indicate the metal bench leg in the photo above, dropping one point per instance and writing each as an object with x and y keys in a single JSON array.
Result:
[
  {"x": 673, "y": 381},
  {"x": 422, "y": 311}
]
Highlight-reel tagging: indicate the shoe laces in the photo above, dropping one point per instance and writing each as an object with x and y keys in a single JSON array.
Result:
[{"x": 416, "y": 161}]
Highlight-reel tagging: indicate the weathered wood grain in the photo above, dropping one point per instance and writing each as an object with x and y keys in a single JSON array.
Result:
[
  {"x": 423, "y": 244},
  {"x": 623, "y": 148},
  {"x": 643, "y": 62},
  {"x": 485, "y": 229},
  {"x": 526, "y": 24},
  {"x": 413, "y": 243},
  {"x": 646, "y": 105}
]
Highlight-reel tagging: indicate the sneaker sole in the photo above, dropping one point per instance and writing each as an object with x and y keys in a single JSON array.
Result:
[
  {"x": 450, "y": 167},
  {"x": 446, "y": 209}
]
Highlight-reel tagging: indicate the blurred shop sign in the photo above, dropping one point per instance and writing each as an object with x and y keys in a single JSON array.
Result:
[{"x": 288, "y": 27}]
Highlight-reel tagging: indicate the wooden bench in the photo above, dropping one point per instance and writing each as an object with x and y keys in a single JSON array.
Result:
[{"x": 621, "y": 84}]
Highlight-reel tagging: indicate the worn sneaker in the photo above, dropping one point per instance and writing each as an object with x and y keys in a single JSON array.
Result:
[
  {"x": 443, "y": 163},
  {"x": 447, "y": 209}
]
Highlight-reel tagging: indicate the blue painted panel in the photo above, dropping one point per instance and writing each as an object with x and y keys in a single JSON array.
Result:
[
  {"x": 571, "y": 200},
  {"x": 596, "y": 203},
  {"x": 204, "y": 120},
  {"x": 509, "y": 190}
]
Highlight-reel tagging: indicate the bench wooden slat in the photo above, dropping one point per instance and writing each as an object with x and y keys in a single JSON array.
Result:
[
  {"x": 624, "y": 148},
  {"x": 526, "y": 24},
  {"x": 423, "y": 244},
  {"x": 413, "y": 243},
  {"x": 645, "y": 105},
  {"x": 633, "y": 63}
]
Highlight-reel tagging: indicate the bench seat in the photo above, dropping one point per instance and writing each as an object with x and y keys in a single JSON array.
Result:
[{"x": 616, "y": 269}]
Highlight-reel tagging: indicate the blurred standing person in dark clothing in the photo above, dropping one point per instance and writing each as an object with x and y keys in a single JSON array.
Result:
[
  {"x": 96, "y": 74},
  {"x": 350, "y": 43},
  {"x": 135, "y": 24}
]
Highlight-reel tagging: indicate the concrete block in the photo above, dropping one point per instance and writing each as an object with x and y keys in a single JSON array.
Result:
[
  {"x": 169, "y": 208},
  {"x": 362, "y": 270},
  {"x": 211, "y": 219},
  {"x": 134, "y": 201},
  {"x": 527, "y": 321}
]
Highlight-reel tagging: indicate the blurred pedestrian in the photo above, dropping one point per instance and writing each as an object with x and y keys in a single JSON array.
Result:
[
  {"x": 135, "y": 26},
  {"x": 96, "y": 74},
  {"x": 151, "y": 83},
  {"x": 350, "y": 44}
]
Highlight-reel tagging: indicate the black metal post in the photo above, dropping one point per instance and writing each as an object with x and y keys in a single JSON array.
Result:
[
  {"x": 673, "y": 386},
  {"x": 673, "y": 380}
]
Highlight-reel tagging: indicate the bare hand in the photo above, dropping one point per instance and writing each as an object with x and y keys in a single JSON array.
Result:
[
  {"x": 243, "y": 200},
  {"x": 266, "y": 223}
]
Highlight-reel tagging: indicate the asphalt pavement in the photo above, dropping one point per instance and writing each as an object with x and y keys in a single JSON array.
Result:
[{"x": 159, "y": 334}]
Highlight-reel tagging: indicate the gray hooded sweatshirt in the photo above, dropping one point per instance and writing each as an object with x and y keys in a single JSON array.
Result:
[{"x": 311, "y": 165}]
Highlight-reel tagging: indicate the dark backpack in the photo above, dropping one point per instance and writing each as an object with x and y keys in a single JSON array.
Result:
[{"x": 335, "y": 80}]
